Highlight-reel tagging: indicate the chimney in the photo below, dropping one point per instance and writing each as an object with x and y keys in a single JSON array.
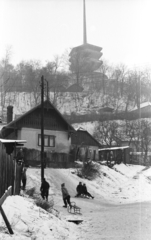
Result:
[{"x": 9, "y": 114}]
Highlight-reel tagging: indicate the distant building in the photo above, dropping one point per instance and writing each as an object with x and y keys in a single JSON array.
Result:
[
  {"x": 74, "y": 88},
  {"x": 143, "y": 112},
  {"x": 82, "y": 140},
  {"x": 106, "y": 110},
  {"x": 85, "y": 58}
]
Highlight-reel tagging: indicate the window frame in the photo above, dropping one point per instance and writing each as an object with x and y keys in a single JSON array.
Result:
[{"x": 49, "y": 137}]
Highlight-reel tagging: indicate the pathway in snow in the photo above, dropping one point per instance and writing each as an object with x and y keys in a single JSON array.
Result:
[{"x": 115, "y": 212}]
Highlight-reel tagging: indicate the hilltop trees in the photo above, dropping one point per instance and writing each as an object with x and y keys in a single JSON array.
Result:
[
  {"x": 115, "y": 86},
  {"x": 57, "y": 78},
  {"x": 25, "y": 77}
]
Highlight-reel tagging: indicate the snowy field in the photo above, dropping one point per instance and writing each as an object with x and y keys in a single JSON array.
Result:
[{"x": 121, "y": 209}]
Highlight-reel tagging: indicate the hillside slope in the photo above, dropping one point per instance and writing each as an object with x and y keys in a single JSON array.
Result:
[
  {"x": 120, "y": 210},
  {"x": 122, "y": 184}
]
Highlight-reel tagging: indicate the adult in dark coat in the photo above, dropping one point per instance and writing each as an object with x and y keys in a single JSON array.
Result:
[
  {"x": 85, "y": 192},
  {"x": 20, "y": 157},
  {"x": 79, "y": 189},
  {"x": 44, "y": 189},
  {"x": 24, "y": 178}
]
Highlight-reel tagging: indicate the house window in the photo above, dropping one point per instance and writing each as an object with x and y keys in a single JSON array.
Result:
[{"x": 49, "y": 140}]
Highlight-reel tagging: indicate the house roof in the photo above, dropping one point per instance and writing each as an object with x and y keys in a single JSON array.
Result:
[
  {"x": 81, "y": 136},
  {"x": 74, "y": 88},
  {"x": 12, "y": 141},
  {"x": 106, "y": 109},
  {"x": 114, "y": 148},
  {"x": 47, "y": 104},
  {"x": 85, "y": 46}
]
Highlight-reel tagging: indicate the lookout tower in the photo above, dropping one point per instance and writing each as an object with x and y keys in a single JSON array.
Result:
[{"x": 86, "y": 57}]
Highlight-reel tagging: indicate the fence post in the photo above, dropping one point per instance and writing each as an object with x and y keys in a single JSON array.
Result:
[{"x": 6, "y": 220}]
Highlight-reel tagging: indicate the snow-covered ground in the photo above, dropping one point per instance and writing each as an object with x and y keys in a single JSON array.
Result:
[{"x": 120, "y": 210}]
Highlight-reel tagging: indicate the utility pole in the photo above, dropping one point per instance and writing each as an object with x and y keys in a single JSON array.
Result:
[
  {"x": 47, "y": 89},
  {"x": 42, "y": 128}
]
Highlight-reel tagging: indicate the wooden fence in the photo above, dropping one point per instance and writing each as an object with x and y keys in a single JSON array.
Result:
[
  {"x": 5, "y": 195},
  {"x": 10, "y": 172},
  {"x": 32, "y": 157}
]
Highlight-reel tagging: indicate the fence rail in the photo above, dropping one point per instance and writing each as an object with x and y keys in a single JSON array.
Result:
[{"x": 5, "y": 195}]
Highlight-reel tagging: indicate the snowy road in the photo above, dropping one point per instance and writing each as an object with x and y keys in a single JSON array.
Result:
[
  {"x": 120, "y": 222},
  {"x": 111, "y": 216},
  {"x": 121, "y": 209}
]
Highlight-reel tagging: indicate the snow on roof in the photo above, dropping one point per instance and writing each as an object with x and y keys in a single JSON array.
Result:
[
  {"x": 12, "y": 141},
  {"x": 142, "y": 105},
  {"x": 80, "y": 129},
  {"x": 113, "y": 148},
  {"x": 2, "y": 125}
]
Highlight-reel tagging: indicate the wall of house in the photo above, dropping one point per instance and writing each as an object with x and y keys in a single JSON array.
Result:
[
  {"x": 62, "y": 143},
  {"x": 91, "y": 154}
]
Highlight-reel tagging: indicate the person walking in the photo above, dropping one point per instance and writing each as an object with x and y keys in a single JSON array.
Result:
[
  {"x": 20, "y": 157},
  {"x": 79, "y": 189},
  {"x": 24, "y": 178},
  {"x": 44, "y": 189},
  {"x": 85, "y": 192},
  {"x": 65, "y": 195}
]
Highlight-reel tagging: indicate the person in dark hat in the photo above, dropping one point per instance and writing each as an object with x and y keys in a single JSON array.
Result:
[
  {"x": 44, "y": 189},
  {"x": 65, "y": 195},
  {"x": 79, "y": 189},
  {"x": 85, "y": 192}
]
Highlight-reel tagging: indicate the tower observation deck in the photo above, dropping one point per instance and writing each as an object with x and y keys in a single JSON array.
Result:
[{"x": 86, "y": 57}]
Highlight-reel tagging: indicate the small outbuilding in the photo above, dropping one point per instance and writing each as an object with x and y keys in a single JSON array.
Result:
[{"x": 82, "y": 140}]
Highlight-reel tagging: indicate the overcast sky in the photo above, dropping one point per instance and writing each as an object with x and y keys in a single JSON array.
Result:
[{"x": 40, "y": 29}]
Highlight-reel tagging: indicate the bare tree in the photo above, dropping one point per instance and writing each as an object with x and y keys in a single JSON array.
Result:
[
  {"x": 56, "y": 77},
  {"x": 145, "y": 138},
  {"x": 133, "y": 133},
  {"x": 6, "y": 73},
  {"x": 108, "y": 133},
  {"x": 105, "y": 69}
]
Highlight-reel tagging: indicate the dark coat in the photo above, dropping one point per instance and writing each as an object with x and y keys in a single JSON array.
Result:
[
  {"x": 44, "y": 186},
  {"x": 24, "y": 174},
  {"x": 84, "y": 189},
  {"x": 64, "y": 192},
  {"x": 79, "y": 188}
]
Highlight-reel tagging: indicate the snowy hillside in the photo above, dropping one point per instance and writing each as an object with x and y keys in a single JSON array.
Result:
[
  {"x": 121, "y": 184},
  {"x": 79, "y": 103},
  {"x": 120, "y": 210}
]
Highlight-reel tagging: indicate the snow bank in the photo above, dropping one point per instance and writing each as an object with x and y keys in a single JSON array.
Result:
[{"x": 26, "y": 220}]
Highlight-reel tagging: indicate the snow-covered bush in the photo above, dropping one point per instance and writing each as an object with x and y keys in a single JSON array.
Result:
[
  {"x": 30, "y": 192},
  {"x": 44, "y": 204},
  {"x": 90, "y": 170}
]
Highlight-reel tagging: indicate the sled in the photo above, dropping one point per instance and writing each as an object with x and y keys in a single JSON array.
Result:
[
  {"x": 83, "y": 196},
  {"x": 73, "y": 208},
  {"x": 76, "y": 221}
]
